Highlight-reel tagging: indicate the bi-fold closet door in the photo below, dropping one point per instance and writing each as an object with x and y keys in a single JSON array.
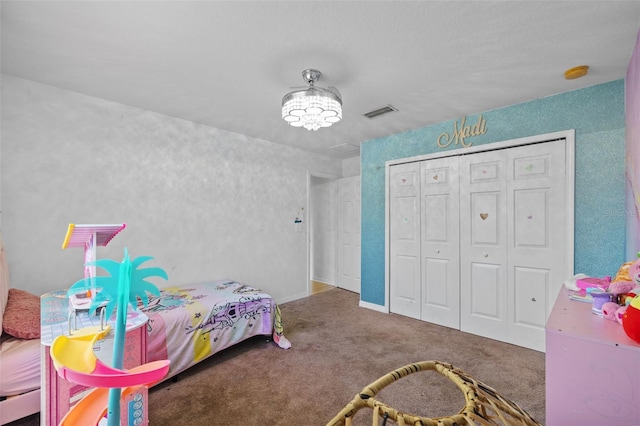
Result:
[
  {"x": 424, "y": 246},
  {"x": 477, "y": 241}
]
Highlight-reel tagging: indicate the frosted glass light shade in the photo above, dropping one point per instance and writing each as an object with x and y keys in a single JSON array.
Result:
[{"x": 312, "y": 108}]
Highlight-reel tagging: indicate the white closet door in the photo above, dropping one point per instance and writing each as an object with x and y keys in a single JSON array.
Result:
[
  {"x": 404, "y": 224},
  {"x": 536, "y": 196},
  {"x": 483, "y": 244},
  {"x": 348, "y": 276},
  {"x": 484, "y": 249},
  {"x": 440, "y": 242}
]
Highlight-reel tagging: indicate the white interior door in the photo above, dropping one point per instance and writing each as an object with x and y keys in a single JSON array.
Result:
[
  {"x": 440, "y": 249},
  {"x": 349, "y": 234},
  {"x": 322, "y": 217},
  {"x": 404, "y": 234},
  {"x": 536, "y": 197},
  {"x": 483, "y": 244}
]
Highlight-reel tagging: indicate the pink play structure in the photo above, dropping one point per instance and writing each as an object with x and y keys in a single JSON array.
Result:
[
  {"x": 120, "y": 394},
  {"x": 76, "y": 362},
  {"x": 89, "y": 237}
]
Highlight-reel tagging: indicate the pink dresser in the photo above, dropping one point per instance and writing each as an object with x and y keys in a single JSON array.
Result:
[{"x": 592, "y": 368}]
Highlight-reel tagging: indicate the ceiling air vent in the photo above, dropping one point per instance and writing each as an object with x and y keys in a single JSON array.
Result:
[{"x": 380, "y": 111}]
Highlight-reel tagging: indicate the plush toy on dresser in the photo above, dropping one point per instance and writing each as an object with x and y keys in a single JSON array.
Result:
[
  {"x": 612, "y": 311},
  {"x": 625, "y": 286},
  {"x": 631, "y": 319},
  {"x": 620, "y": 290},
  {"x": 631, "y": 316}
]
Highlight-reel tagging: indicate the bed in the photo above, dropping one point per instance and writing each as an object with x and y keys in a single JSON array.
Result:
[
  {"x": 19, "y": 349},
  {"x": 184, "y": 324},
  {"x": 188, "y": 324}
]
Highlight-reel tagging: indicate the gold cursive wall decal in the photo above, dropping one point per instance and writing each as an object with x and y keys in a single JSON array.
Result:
[{"x": 464, "y": 131}]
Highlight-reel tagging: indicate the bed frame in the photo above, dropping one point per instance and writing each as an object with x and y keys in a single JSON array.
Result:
[{"x": 19, "y": 406}]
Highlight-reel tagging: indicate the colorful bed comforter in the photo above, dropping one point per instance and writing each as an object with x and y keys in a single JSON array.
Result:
[{"x": 192, "y": 322}]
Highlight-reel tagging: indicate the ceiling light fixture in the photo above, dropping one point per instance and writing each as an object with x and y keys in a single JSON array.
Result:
[{"x": 312, "y": 107}]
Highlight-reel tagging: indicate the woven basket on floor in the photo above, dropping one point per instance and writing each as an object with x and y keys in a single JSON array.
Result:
[{"x": 484, "y": 406}]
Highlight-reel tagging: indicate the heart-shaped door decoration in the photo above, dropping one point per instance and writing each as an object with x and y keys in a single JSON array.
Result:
[{"x": 484, "y": 216}]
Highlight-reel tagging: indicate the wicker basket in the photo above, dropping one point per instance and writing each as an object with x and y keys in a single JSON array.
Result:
[{"x": 484, "y": 406}]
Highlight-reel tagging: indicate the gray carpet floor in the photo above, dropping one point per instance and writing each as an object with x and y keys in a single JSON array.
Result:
[{"x": 337, "y": 349}]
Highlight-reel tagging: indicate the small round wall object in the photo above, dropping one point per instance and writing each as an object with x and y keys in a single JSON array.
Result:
[{"x": 576, "y": 72}]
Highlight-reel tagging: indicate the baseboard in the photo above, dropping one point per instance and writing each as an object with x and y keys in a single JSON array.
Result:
[
  {"x": 291, "y": 298},
  {"x": 373, "y": 307},
  {"x": 324, "y": 281}
]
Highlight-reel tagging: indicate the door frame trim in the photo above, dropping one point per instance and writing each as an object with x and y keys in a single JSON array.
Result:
[
  {"x": 307, "y": 219},
  {"x": 567, "y": 135}
]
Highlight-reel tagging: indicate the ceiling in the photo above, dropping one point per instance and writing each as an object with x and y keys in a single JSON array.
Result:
[{"x": 227, "y": 64}]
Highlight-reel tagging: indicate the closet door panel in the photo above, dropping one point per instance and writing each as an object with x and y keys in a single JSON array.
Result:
[
  {"x": 485, "y": 300},
  {"x": 436, "y": 271},
  {"x": 530, "y": 218},
  {"x": 485, "y": 220},
  {"x": 483, "y": 245},
  {"x": 407, "y": 271},
  {"x": 529, "y": 289},
  {"x": 404, "y": 223},
  {"x": 536, "y": 196},
  {"x": 440, "y": 280}
]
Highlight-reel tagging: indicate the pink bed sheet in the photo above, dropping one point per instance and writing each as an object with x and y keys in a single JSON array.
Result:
[{"x": 19, "y": 365}]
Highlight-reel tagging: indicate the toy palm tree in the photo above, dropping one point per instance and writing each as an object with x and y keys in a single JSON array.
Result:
[{"x": 125, "y": 285}]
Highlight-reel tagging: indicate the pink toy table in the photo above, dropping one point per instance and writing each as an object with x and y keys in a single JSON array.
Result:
[
  {"x": 58, "y": 395},
  {"x": 592, "y": 368}
]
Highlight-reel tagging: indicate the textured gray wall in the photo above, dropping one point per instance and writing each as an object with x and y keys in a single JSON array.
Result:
[
  {"x": 205, "y": 203},
  {"x": 351, "y": 167}
]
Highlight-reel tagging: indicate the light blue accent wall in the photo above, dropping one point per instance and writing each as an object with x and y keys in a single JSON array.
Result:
[{"x": 597, "y": 115}]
